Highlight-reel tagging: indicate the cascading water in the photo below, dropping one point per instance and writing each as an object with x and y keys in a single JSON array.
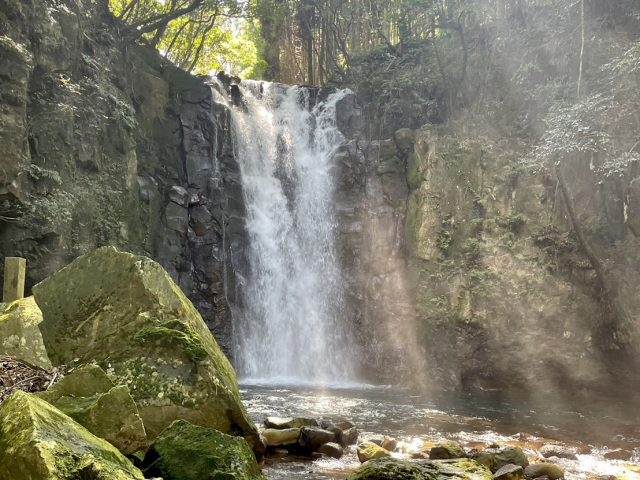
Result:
[{"x": 290, "y": 328}]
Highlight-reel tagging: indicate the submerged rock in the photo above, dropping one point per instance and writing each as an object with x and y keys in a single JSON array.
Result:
[
  {"x": 37, "y": 441},
  {"x": 559, "y": 451},
  {"x": 89, "y": 397},
  {"x": 618, "y": 454},
  {"x": 125, "y": 312},
  {"x": 371, "y": 451},
  {"x": 188, "y": 452},
  {"x": 20, "y": 336},
  {"x": 389, "y": 469}
]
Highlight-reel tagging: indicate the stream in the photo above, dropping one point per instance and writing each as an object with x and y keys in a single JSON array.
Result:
[{"x": 474, "y": 421}]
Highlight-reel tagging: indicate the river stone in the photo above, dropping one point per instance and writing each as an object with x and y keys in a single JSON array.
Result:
[
  {"x": 348, "y": 436},
  {"x": 108, "y": 412},
  {"x": 510, "y": 455},
  {"x": 331, "y": 449},
  {"x": 37, "y": 441},
  {"x": 618, "y": 454},
  {"x": 371, "y": 451},
  {"x": 373, "y": 438},
  {"x": 535, "y": 470},
  {"x": 391, "y": 468},
  {"x": 188, "y": 452},
  {"x": 289, "y": 422},
  {"x": 446, "y": 449},
  {"x": 559, "y": 451},
  {"x": 389, "y": 444},
  {"x": 276, "y": 437},
  {"x": 509, "y": 472},
  {"x": 125, "y": 312},
  {"x": 312, "y": 437},
  {"x": 20, "y": 337},
  {"x": 484, "y": 457}
]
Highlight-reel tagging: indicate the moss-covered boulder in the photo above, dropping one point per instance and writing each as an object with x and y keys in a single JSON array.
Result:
[
  {"x": 82, "y": 382},
  {"x": 510, "y": 455},
  {"x": 371, "y": 451},
  {"x": 125, "y": 313},
  {"x": 88, "y": 396},
  {"x": 188, "y": 452},
  {"x": 447, "y": 449},
  {"x": 20, "y": 336},
  {"x": 391, "y": 468},
  {"x": 37, "y": 441}
]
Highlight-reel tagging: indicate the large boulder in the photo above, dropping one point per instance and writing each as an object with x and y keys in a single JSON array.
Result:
[
  {"x": 390, "y": 468},
  {"x": 125, "y": 313},
  {"x": 37, "y": 441},
  {"x": 188, "y": 452},
  {"x": 88, "y": 396},
  {"x": 20, "y": 336}
]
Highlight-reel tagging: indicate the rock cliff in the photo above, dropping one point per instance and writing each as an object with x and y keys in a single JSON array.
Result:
[{"x": 108, "y": 146}]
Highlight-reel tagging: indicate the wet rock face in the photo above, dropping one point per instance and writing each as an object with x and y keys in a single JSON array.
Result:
[{"x": 98, "y": 153}]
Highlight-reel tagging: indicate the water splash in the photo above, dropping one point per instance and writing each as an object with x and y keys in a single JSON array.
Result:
[{"x": 290, "y": 328}]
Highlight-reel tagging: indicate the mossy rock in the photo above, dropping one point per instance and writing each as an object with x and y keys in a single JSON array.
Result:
[
  {"x": 404, "y": 140},
  {"x": 510, "y": 455},
  {"x": 20, "y": 336},
  {"x": 88, "y": 396},
  {"x": 371, "y": 451},
  {"x": 188, "y": 452},
  {"x": 86, "y": 381},
  {"x": 125, "y": 313},
  {"x": 37, "y": 441},
  {"x": 414, "y": 175},
  {"x": 391, "y": 469},
  {"x": 447, "y": 449}
]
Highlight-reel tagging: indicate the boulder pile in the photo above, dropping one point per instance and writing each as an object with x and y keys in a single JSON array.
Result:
[
  {"x": 307, "y": 435},
  {"x": 139, "y": 365}
]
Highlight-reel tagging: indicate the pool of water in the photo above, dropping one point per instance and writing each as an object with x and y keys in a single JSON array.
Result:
[{"x": 595, "y": 425}]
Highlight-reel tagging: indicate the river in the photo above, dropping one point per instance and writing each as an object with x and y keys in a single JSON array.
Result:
[{"x": 475, "y": 421}]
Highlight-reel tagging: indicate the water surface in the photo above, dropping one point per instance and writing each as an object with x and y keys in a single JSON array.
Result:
[{"x": 475, "y": 421}]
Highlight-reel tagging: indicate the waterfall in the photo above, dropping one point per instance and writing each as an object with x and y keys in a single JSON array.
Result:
[{"x": 291, "y": 327}]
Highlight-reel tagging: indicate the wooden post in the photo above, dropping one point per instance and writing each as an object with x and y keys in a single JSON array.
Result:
[{"x": 14, "y": 272}]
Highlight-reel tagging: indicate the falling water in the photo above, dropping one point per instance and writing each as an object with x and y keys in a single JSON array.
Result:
[{"x": 291, "y": 328}]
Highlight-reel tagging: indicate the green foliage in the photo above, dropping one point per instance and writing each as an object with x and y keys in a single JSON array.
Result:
[{"x": 39, "y": 173}]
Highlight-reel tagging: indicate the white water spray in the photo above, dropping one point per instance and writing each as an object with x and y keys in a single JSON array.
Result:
[{"x": 291, "y": 328}]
